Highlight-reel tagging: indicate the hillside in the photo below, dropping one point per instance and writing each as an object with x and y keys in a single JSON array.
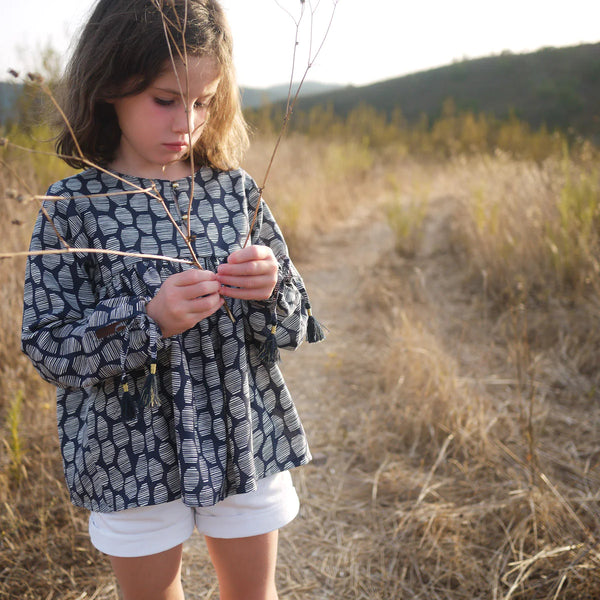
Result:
[
  {"x": 9, "y": 93},
  {"x": 255, "y": 97},
  {"x": 556, "y": 86},
  {"x": 251, "y": 97}
]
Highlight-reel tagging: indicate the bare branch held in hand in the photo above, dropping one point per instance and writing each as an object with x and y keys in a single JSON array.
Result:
[{"x": 293, "y": 98}]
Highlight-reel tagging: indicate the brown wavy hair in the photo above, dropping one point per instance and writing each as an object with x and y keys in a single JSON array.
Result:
[{"x": 121, "y": 50}]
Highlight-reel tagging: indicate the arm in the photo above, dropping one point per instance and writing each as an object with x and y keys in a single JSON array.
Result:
[
  {"x": 72, "y": 338},
  {"x": 263, "y": 274}
]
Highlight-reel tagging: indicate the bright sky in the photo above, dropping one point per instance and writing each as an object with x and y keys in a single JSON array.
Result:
[{"x": 369, "y": 40}]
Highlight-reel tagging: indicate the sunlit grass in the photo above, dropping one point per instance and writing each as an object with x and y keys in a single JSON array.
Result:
[{"x": 482, "y": 484}]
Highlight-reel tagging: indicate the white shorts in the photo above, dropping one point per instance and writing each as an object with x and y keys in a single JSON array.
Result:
[{"x": 151, "y": 529}]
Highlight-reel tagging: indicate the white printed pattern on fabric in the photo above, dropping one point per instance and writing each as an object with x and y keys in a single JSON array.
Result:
[{"x": 224, "y": 419}]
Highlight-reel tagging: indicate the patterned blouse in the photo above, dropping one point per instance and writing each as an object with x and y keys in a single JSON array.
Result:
[{"x": 221, "y": 416}]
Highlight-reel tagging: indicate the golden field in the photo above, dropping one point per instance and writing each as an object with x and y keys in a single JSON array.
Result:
[{"x": 462, "y": 383}]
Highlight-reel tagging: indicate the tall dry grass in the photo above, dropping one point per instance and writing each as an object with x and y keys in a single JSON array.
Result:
[
  {"x": 480, "y": 439},
  {"x": 486, "y": 406}
]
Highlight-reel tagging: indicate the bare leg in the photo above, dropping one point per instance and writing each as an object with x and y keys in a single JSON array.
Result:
[
  {"x": 245, "y": 566},
  {"x": 153, "y": 577}
]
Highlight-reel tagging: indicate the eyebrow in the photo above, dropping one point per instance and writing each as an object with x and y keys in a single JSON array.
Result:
[{"x": 178, "y": 93}]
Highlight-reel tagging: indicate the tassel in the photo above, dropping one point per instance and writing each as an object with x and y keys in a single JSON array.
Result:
[
  {"x": 314, "y": 329},
  {"x": 127, "y": 403},
  {"x": 150, "y": 391},
  {"x": 269, "y": 352}
]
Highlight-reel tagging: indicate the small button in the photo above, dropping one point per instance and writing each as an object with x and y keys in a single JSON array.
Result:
[
  {"x": 184, "y": 217},
  {"x": 175, "y": 186}
]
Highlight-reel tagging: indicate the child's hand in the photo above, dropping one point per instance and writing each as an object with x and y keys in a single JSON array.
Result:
[
  {"x": 249, "y": 274},
  {"x": 183, "y": 300}
]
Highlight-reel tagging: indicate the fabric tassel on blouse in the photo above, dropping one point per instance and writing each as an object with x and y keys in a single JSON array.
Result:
[
  {"x": 150, "y": 391},
  {"x": 127, "y": 402},
  {"x": 314, "y": 329},
  {"x": 269, "y": 352},
  {"x": 315, "y": 332}
]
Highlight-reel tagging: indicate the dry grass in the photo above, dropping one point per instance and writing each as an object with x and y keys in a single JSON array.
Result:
[
  {"x": 314, "y": 185},
  {"x": 532, "y": 227},
  {"x": 488, "y": 397},
  {"x": 472, "y": 471}
]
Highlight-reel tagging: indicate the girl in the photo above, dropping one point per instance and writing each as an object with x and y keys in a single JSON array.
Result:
[{"x": 172, "y": 413}]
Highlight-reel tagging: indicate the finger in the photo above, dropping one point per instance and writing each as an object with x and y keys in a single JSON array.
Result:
[
  {"x": 245, "y": 282},
  {"x": 198, "y": 290},
  {"x": 205, "y": 305},
  {"x": 261, "y": 266},
  {"x": 191, "y": 277},
  {"x": 249, "y": 253},
  {"x": 247, "y": 293},
  {"x": 247, "y": 269}
]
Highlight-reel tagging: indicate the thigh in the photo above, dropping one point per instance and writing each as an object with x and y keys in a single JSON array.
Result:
[
  {"x": 152, "y": 577},
  {"x": 144, "y": 546},
  {"x": 245, "y": 566}
]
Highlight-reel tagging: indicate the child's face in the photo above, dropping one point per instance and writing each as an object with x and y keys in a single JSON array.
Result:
[{"x": 155, "y": 133}]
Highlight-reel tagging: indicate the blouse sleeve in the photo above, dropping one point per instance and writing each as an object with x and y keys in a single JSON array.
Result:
[
  {"x": 285, "y": 314},
  {"x": 73, "y": 339}
]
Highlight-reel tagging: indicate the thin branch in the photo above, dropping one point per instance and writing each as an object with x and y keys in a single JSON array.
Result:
[
  {"x": 153, "y": 193},
  {"x": 292, "y": 104},
  {"x": 58, "y": 107},
  {"x": 285, "y": 10},
  {"x": 312, "y": 23},
  {"x": 73, "y": 250},
  {"x": 170, "y": 39},
  {"x": 4, "y": 142},
  {"x": 294, "y": 52},
  {"x": 88, "y": 196}
]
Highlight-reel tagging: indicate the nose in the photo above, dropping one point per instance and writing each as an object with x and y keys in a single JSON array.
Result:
[{"x": 180, "y": 120}]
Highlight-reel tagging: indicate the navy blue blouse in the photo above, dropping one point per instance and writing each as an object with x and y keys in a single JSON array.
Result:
[{"x": 223, "y": 417}]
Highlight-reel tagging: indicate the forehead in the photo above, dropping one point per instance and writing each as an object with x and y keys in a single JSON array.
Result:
[{"x": 202, "y": 74}]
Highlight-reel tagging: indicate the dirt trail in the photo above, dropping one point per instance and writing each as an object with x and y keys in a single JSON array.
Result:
[
  {"x": 320, "y": 375},
  {"x": 325, "y": 379},
  {"x": 331, "y": 550}
]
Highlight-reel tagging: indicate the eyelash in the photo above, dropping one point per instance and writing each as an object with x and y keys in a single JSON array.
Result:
[{"x": 162, "y": 102}]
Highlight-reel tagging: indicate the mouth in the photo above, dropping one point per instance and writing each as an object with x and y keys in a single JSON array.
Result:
[{"x": 176, "y": 146}]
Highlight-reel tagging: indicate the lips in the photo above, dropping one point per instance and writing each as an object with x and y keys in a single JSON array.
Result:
[{"x": 176, "y": 146}]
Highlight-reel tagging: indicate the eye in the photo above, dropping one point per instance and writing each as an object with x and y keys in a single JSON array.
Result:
[
  {"x": 204, "y": 104},
  {"x": 163, "y": 102}
]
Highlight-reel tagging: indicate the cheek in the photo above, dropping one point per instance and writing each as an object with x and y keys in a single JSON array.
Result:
[
  {"x": 155, "y": 114},
  {"x": 197, "y": 134},
  {"x": 199, "y": 125}
]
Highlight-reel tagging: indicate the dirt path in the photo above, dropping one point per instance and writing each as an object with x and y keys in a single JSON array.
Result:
[
  {"x": 326, "y": 379},
  {"x": 333, "y": 550}
]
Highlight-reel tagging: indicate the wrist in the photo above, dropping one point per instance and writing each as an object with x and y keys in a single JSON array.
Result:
[{"x": 150, "y": 309}]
